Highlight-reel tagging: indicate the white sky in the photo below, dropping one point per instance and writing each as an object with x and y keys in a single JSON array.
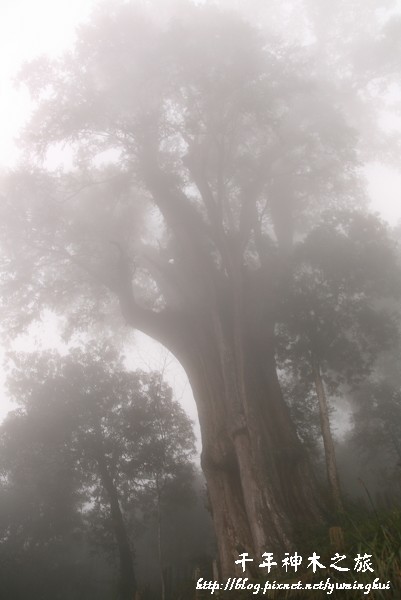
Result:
[{"x": 29, "y": 28}]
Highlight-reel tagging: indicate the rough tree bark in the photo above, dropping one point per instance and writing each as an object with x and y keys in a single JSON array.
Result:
[
  {"x": 259, "y": 480},
  {"x": 258, "y": 476}
]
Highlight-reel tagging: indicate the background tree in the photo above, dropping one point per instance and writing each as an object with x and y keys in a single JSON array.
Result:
[
  {"x": 159, "y": 464},
  {"x": 378, "y": 421},
  {"x": 374, "y": 438},
  {"x": 200, "y": 149},
  {"x": 338, "y": 315},
  {"x": 105, "y": 422},
  {"x": 43, "y": 536}
]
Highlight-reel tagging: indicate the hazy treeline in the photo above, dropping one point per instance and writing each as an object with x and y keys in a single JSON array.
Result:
[{"x": 97, "y": 477}]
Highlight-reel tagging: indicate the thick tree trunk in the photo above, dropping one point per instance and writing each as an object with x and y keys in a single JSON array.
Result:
[
  {"x": 260, "y": 485},
  {"x": 329, "y": 450},
  {"x": 259, "y": 480}
]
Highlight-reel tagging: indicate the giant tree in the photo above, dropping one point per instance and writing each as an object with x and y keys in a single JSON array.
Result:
[{"x": 199, "y": 148}]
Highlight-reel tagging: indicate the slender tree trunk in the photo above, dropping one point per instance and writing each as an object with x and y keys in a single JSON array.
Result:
[
  {"x": 159, "y": 544},
  {"x": 128, "y": 585},
  {"x": 329, "y": 450}
]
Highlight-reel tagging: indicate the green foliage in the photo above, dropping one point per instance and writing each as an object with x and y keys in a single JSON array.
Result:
[
  {"x": 379, "y": 537},
  {"x": 377, "y": 420},
  {"x": 240, "y": 134},
  {"x": 337, "y": 307},
  {"x": 79, "y": 412}
]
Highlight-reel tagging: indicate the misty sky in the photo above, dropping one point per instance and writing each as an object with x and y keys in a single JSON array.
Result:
[{"x": 29, "y": 29}]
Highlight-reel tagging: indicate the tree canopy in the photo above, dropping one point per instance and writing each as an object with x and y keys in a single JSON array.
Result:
[{"x": 96, "y": 449}]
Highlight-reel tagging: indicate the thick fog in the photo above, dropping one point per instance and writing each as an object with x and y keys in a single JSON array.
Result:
[{"x": 200, "y": 297}]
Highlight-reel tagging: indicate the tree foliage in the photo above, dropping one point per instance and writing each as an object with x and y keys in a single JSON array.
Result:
[{"x": 85, "y": 451}]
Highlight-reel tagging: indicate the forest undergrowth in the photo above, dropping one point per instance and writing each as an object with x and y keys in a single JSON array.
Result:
[{"x": 376, "y": 535}]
